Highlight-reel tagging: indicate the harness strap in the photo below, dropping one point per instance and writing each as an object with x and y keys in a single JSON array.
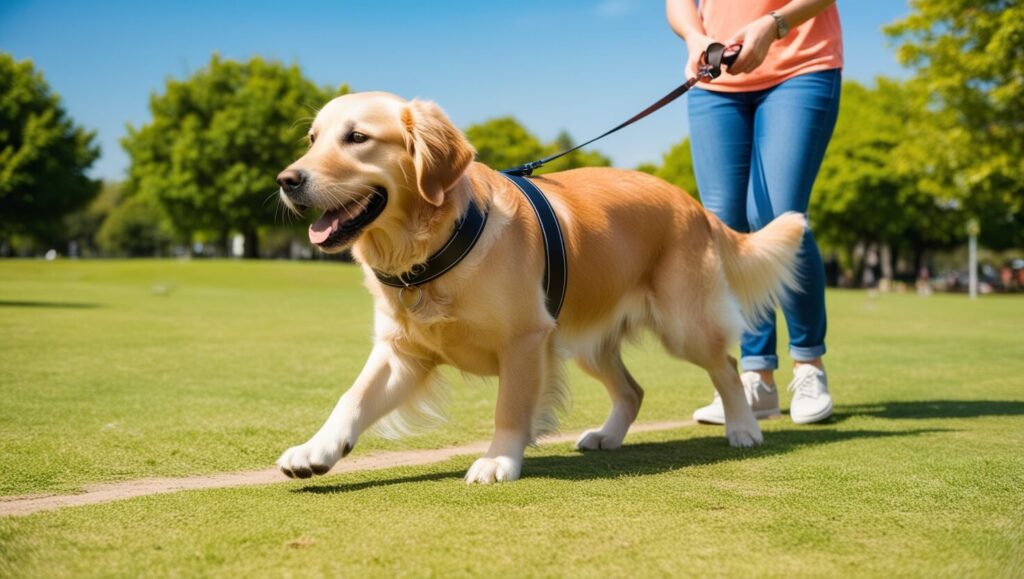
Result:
[
  {"x": 467, "y": 231},
  {"x": 556, "y": 262}
]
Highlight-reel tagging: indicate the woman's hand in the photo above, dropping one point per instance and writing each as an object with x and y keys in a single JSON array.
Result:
[
  {"x": 756, "y": 38},
  {"x": 696, "y": 44}
]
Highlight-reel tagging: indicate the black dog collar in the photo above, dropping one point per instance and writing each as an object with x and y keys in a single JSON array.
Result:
[{"x": 467, "y": 231}]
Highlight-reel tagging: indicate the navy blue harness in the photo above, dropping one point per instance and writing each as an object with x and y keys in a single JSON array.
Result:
[
  {"x": 468, "y": 230},
  {"x": 556, "y": 264}
]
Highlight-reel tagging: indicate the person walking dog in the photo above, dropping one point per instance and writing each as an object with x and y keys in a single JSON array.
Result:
[{"x": 759, "y": 135}]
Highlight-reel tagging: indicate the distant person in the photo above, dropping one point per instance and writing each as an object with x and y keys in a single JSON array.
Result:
[{"x": 759, "y": 133}]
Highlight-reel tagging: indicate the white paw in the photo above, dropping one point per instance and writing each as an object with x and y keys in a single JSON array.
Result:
[
  {"x": 492, "y": 470},
  {"x": 314, "y": 457},
  {"x": 600, "y": 440},
  {"x": 746, "y": 436}
]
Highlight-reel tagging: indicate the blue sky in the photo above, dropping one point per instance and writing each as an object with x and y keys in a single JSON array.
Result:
[{"x": 578, "y": 65}]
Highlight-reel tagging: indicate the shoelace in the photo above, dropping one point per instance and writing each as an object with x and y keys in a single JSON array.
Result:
[
  {"x": 753, "y": 391},
  {"x": 805, "y": 385}
]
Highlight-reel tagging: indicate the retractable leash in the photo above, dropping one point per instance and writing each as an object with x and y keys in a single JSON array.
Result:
[
  {"x": 470, "y": 226},
  {"x": 556, "y": 260},
  {"x": 709, "y": 68}
]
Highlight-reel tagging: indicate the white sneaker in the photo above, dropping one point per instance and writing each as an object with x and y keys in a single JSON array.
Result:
[
  {"x": 763, "y": 399},
  {"x": 811, "y": 400}
]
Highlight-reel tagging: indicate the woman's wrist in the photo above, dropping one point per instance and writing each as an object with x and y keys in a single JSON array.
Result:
[
  {"x": 693, "y": 34},
  {"x": 780, "y": 23}
]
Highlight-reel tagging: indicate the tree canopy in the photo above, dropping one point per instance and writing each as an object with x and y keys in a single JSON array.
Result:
[
  {"x": 44, "y": 155},
  {"x": 502, "y": 143},
  {"x": 863, "y": 191},
  {"x": 968, "y": 57},
  {"x": 217, "y": 140},
  {"x": 677, "y": 168}
]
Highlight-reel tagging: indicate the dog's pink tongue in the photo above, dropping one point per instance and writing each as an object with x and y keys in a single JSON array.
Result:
[{"x": 325, "y": 226}]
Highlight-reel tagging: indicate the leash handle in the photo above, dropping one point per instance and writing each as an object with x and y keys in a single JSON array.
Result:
[
  {"x": 709, "y": 68},
  {"x": 715, "y": 56}
]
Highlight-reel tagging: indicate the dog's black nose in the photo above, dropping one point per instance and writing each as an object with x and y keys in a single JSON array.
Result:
[{"x": 291, "y": 179}]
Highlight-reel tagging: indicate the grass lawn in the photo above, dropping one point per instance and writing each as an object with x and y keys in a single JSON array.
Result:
[{"x": 120, "y": 370}]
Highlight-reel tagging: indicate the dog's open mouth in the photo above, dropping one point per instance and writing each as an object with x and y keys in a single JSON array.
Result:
[{"x": 338, "y": 226}]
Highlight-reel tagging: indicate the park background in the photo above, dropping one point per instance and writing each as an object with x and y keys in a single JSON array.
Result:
[
  {"x": 157, "y": 129},
  {"x": 153, "y": 131}
]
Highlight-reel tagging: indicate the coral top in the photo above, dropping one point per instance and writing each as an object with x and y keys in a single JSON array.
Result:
[{"x": 813, "y": 46}]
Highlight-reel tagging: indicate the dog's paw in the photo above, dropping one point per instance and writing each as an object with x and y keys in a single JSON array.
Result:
[
  {"x": 314, "y": 457},
  {"x": 600, "y": 440},
  {"x": 492, "y": 470},
  {"x": 744, "y": 437}
]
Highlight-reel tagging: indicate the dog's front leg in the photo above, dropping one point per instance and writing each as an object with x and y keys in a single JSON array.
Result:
[
  {"x": 385, "y": 382},
  {"x": 521, "y": 374}
]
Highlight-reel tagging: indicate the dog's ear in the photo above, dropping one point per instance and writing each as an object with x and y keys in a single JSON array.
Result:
[{"x": 439, "y": 150}]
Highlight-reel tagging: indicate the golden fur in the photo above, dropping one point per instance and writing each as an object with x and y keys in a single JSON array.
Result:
[{"x": 642, "y": 254}]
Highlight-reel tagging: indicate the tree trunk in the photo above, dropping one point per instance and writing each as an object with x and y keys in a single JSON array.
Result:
[
  {"x": 224, "y": 243},
  {"x": 886, "y": 262},
  {"x": 919, "y": 263},
  {"x": 859, "y": 260},
  {"x": 252, "y": 245}
]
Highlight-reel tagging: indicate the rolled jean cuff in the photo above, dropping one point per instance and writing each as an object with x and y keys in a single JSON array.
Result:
[
  {"x": 755, "y": 363},
  {"x": 806, "y": 354}
]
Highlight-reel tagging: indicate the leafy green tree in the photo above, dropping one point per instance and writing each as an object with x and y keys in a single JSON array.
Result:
[
  {"x": 863, "y": 193},
  {"x": 649, "y": 168},
  {"x": 82, "y": 226},
  {"x": 503, "y": 142},
  {"x": 969, "y": 61},
  {"x": 574, "y": 160},
  {"x": 136, "y": 228},
  {"x": 43, "y": 155},
  {"x": 216, "y": 142},
  {"x": 677, "y": 168}
]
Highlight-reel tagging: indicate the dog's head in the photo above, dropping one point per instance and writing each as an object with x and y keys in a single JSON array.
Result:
[{"x": 374, "y": 161}]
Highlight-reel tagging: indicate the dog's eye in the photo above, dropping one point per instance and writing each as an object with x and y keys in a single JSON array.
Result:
[
  {"x": 312, "y": 138},
  {"x": 356, "y": 137}
]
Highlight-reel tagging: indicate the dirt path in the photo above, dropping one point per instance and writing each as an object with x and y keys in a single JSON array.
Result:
[{"x": 107, "y": 492}]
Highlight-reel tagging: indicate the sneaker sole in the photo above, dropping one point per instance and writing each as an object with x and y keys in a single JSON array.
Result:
[{"x": 815, "y": 417}]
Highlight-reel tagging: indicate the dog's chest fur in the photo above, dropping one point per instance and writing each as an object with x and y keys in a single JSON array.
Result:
[{"x": 432, "y": 332}]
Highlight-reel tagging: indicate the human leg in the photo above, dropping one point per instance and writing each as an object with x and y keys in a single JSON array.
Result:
[
  {"x": 722, "y": 129},
  {"x": 792, "y": 127}
]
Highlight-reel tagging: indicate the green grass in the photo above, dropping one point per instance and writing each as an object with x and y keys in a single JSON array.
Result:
[{"x": 121, "y": 370}]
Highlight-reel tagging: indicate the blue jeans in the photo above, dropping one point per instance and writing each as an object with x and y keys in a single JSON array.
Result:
[{"x": 756, "y": 155}]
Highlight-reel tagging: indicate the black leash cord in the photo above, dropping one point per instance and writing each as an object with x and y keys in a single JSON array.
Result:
[{"x": 711, "y": 61}]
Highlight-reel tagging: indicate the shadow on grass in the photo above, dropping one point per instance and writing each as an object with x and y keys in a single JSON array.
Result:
[
  {"x": 932, "y": 409},
  {"x": 644, "y": 458},
  {"x": 33, "y": 304}
]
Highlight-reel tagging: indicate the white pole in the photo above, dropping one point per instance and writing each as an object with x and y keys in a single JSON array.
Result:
[
  {"x": 972, "y": 260},
  {"x": 973, "y": 229}
]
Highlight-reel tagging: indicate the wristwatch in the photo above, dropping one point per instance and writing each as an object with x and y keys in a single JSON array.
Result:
[{"x": 781, "y": 28}]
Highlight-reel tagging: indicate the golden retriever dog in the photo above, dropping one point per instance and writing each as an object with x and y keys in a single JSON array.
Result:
[{"x": 392, "y": 178}]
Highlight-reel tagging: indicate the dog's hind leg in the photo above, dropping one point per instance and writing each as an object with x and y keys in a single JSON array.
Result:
[
  {"x": 522, "y": 379},
  {"x": 626, "y": 397},
  {"x": 701, "y": 335},
  {"x": 741, "y": 426}
]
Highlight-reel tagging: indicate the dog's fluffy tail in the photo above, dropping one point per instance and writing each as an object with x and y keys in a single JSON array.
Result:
[{"x": 759, "y": 265}]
